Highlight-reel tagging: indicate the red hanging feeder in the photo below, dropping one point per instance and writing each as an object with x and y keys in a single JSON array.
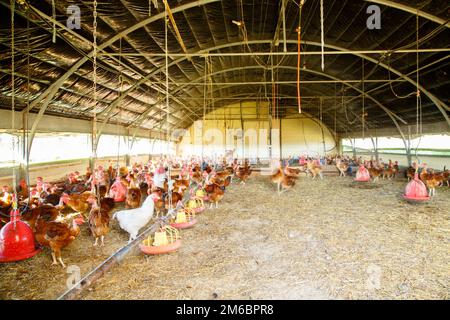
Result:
[
  {"x": 416, "y": 191},
  {"x": 362, "y": 175},
  {"x": 16, "y": 240},
  {"x": 118, "y": 191}
]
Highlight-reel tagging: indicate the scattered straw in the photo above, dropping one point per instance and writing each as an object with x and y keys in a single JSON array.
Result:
[{"x": 322, "y": 240}]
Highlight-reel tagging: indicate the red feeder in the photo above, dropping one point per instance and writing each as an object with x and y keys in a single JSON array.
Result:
[
  {"x": 416, "y": 191},
  {"x": 16, "y": 240},
  {"x": 362, "y": 175},
  {"x": 171, "y": 247},
  {"x": 118, "y": 191}
]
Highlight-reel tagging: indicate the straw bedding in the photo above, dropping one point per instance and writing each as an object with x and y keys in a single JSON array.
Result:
[{"x": 325, "y": 239}]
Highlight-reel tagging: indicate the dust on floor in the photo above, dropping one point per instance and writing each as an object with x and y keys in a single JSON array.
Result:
[{"x": 325, "y": 239}]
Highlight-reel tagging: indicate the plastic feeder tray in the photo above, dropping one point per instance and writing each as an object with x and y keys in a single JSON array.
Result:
[
  {"x": 171, "y": 247},
  {"x": 184, "y": 225},
  {"x": 416, "y": 199},
  {"x": 17, "y": 242}
]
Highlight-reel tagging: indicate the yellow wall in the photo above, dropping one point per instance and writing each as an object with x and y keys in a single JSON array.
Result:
[{"x": 299, "y": 134}]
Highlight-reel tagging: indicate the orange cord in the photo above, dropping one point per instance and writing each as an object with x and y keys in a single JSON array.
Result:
[{"x": 298, "y": 73}]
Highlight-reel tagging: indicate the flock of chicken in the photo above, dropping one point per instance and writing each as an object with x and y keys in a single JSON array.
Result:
[
  {"x": 285, "y": 178},
  {"x": 55, "y": 211},
  {"x": 431, "y": 178}
]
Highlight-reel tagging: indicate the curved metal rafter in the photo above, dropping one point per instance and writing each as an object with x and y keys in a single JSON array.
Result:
[
  {"x": 50, "y": 92},
  {"x": 53, "y": 89},
  {"x": 250, "y": 97},
  {"x": 392, "y": 115},
  {"x": 439, "y": 104}
]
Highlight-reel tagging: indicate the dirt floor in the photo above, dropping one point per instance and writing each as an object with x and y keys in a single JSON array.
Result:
[{"x": 326, "y": 239}]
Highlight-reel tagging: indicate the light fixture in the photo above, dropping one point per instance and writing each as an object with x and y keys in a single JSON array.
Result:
[{"x": 238, "y": 23}]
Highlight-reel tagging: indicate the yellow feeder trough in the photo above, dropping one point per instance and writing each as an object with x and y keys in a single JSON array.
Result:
[
  {"x": 196, "y": 204},
  {"x": 165, "y": 240},
  {"x": 185, "y": 219}
]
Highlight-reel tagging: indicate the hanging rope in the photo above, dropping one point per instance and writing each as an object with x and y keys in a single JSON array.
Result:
[
  {"x": 118, "y": 149},
  {"x": 243, "y": 29},
  {"x": 322, "y": 40},
  {"x": 54, "y": 21},
  {"x": 321, "y": 126},
  {"x": 274, "y": 94},
  {"x": 345, "y": 108},
  {"x": 205, "y": 99},
  {"x": 390, "y": 82}
]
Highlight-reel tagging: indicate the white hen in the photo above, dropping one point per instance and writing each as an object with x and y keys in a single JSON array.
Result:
[{"x": 134, "y": 219}]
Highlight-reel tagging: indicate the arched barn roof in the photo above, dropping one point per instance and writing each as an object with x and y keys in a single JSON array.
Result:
[{"x": 231, "y": 59}]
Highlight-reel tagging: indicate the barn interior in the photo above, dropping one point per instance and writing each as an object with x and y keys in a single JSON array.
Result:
[{"x": 321, "y": 127}]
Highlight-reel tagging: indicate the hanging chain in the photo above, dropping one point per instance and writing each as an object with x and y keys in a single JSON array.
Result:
[
  {"x": 95, "y": 54},
  {"x": 54, "y": 21},
  {"x": 418, "y": 102},
  {"x": 299, "y": 31},
  {"x": 363, "y": 99},
  {"x": 94, "y": 120},
  {"x": 94, "y": 84},
  {"x": 25, "y": 140},
  {"x": 13, "y": 106},
  {"x": 322, "y": 37}
]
